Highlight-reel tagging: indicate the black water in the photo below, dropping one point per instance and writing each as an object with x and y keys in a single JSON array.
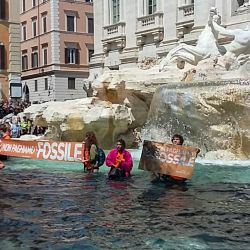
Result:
[{"x": 47, "y": 205}]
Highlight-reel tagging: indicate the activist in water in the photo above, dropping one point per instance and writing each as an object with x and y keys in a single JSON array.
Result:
[
  {"x": 89, "y": 152},
  {"x": 176, "y": 140},
  {"x": 120, "y": 161}
]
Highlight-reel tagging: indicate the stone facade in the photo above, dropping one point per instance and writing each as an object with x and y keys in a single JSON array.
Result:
[
  {"x": 57, "y": 41},
  {"x": 128, "y": 33},
  {"x": 10, "y": 67}
]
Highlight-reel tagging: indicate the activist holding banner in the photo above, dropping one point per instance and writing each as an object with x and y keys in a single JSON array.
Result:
[
  {"x": 176, "y": 140},
  {"x": 170, "y": 163},
  {"x": 89, "y": 152},
  {"x": 120, "y": 161}
]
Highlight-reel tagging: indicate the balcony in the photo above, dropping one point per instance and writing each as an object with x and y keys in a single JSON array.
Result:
[
  {"x": 185, "y": 19},
  {"x": 150, "y": 25},
  {"x": 114, "y": 34}
]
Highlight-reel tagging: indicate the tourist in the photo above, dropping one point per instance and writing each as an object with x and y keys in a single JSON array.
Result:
[
  {"x": 24, "y": 126},
  {"x": 90, "y": 152},
  {"x": 15, "y": 128},
  {"x": 120, "y": 161},
  {"x": 6, "y": 133}
]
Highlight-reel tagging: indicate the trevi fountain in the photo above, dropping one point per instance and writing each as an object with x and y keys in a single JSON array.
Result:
[{"x": 201, "y": 92}]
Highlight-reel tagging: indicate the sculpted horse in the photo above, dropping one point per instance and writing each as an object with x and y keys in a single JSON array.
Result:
[{"x": 207, "y": 46}]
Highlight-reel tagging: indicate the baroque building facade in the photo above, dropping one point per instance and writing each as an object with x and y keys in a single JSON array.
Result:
[
  {"x": 10, "y": 66},
  {"x": 56, "y": 44},
  {"x": 128, "y": 32}
]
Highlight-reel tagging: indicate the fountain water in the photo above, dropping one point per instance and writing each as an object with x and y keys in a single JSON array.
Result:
[{"x": 210, "y": 115}]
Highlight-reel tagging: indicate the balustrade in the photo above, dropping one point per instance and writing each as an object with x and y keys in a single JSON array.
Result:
[
  {"x": 114, "y": 33},
  {"x": 152, "y": 21}
]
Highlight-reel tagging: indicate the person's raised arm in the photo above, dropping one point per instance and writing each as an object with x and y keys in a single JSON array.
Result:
[{"x": 222, "y": 31}]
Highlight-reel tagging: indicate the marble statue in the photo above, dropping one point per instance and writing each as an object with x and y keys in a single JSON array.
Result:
[
  {"x": 237, "y": 50},
  {"x": 244, "y": 7},
  {"x": 89, "y": 90},
  {"x": 208, "y": 47}
]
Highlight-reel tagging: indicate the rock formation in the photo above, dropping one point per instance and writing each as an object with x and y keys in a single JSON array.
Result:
[
  {"x": 213, "y": 116},
  {"x": 70, "y": 120}
]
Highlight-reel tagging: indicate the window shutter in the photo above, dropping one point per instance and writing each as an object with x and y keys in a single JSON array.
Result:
[
  {"x": 23, "y": 67},
  {"x": 36, "y": 59},
  {"x": 26, "y": 62},
  {"x": 66, "y": 55},
  {"x": 32, "y": 60},
  {"x": 2, "y": 9},
  {"x": 2, "y": 57},
  {"x": 77, "y": 56}
]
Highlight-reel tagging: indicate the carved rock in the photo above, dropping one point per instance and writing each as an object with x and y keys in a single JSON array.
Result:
[{"x": 70, "y": 120}]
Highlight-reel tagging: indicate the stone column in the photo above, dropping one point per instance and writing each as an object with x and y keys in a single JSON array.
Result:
[
  {"x": 106, "y": 11},
  {"x": 140, "y": 8},
  {"x": 122, "y": 9},
  {"x": 159, "y": 5},
  {"x": 201, "y": 13},
  {"x": 169, "y": 9}
]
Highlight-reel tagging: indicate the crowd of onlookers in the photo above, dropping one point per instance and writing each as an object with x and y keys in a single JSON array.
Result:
[
  {"x": 14, "y": 125},
  {"x": 12, "y": 107}
]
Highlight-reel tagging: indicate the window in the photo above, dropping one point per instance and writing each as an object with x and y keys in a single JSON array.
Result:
[
  {"x": 34, "y": 30},
  {"x": 46, "y": 86},
  {"x": 34, "y": 58},
  {"x": 45, "y": 54},
  {"x": 44, "y": 23},
  {"x": 70, "y": 22},
  {"x": 33, "y": 3},
  {"x": 36, "y": 87},
  {"x": 90, "y": 25},
  {"x": 116, "y": 10},
  {"x": 24, "y": 60},
  {"x": 2, "y": 9},
  {"x": 71, "y": 83},
  {"x": 71, "y": 55},
  {"x": 151, "y": 6},
  {"x": 24, "y": 37},
  {"x": 24, "y": 5},
  {"x": 2, "y": 56},
  {"x": 91, "y": 52}
]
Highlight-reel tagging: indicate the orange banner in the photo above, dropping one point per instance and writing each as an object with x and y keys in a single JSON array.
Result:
[
  {"x": 168, "y": 159},
  {"x": 42, "y": 150}
]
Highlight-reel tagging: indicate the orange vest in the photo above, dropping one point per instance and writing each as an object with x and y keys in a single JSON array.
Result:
[
  {"x": 6, "y": 136},
  {"x": 86, "y": 156},
  {"x": 119, "y": 159}
]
